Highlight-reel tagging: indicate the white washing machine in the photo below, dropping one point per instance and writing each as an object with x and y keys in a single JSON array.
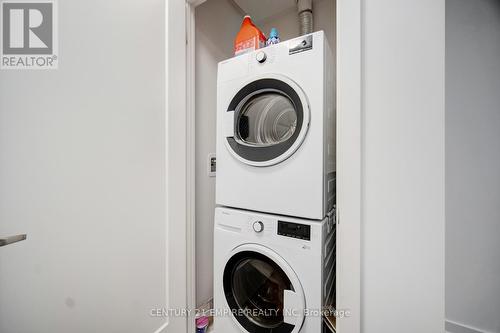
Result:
[
  {"x": 273, "y": 274},
  {"x": 276, "y": 129}
]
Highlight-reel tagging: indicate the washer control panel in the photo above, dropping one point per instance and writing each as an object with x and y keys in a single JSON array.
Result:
[{"x": 294, "y": 230}]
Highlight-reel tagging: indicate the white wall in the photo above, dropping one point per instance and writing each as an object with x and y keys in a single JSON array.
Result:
[
  {"x": 217, "y": 22},
  {"x": 402, "y": 258},
  {"x": 472, "y": 165},
  {"x": 82, "y": 172}
]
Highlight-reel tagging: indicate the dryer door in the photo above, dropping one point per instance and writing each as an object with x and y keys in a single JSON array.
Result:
[
  {"x": 263, "y": 292},
  {"x": 266, "y": 121}
]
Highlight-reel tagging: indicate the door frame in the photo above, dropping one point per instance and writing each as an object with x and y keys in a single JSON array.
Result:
[
  {"x": 180, "y": 205},
  {"x": 180, "y": 59},
  {"x": 349, "y": 162}
]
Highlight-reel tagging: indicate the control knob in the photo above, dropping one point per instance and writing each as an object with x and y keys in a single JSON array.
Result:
[
  {"x": 261, "y": 57},
  {"x": 258, "y": 226}
]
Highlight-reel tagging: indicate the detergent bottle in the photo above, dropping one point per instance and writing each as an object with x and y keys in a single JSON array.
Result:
[
  {"x": 249, "y": 39},
  {"x": 274, "y": 37}
]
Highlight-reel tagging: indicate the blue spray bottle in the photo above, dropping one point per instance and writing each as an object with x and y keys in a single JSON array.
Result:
[{"x": 274, "y": 37}]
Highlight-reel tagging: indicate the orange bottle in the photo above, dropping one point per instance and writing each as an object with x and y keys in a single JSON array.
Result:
[{"x": 249, "y": 39}]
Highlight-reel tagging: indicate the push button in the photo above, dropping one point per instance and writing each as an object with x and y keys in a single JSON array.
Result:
[{"x": 261, "y": 57}]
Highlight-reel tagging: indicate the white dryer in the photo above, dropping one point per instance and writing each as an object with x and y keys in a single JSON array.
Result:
[
  {"x": 276, "y": 129},
  {"x": 272, "y": 274}
]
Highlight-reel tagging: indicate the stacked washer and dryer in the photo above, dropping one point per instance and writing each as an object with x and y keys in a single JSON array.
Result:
[{"x": 274, "y": 246}]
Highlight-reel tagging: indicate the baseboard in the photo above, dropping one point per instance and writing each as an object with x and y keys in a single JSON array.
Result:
[{"x": 454, "y": 327}]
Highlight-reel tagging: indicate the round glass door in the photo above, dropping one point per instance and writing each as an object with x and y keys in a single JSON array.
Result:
[
  {"x": 255, "y": 288},
  {"x": 270, "y": 120},
  {"x": 267, "y": 118}
]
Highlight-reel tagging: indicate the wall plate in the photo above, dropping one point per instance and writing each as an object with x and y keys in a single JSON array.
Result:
[{"x": 211, "y": 165}]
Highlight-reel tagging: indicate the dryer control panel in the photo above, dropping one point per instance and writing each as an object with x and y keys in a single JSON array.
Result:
[{"x": 294, "y": 230}]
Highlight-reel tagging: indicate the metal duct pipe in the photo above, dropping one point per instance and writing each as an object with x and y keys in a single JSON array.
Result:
[{"x": 304, "y": 8}]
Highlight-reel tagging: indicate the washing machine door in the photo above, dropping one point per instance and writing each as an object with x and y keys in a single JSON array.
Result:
[
  {"x": 266, "y": 121},
  {"x": 263, "y": 292}
]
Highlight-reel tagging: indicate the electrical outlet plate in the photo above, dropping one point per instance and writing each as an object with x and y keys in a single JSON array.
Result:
[{"x": 211, "y": 165}]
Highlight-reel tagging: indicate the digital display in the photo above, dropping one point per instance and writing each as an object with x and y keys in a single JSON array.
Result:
[{"x": 294, "y": 230}]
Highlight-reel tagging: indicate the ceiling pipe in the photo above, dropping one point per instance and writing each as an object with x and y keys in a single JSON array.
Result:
[{"x": 304, "y": 8}]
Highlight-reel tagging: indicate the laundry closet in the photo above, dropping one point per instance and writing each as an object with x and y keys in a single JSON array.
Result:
[{"x": 303, "y": 226}]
